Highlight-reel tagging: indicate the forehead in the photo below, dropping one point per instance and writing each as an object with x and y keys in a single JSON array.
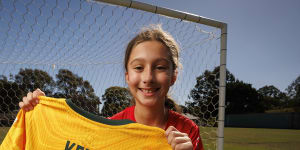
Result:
[{"x": 150, "y": 50}]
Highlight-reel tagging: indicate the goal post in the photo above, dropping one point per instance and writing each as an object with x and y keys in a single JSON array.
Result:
[
  {"x": 74, "y": 49},
  {"x": 201, "y": 20}
]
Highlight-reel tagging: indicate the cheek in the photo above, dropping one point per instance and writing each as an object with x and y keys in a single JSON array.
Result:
[
  {"x": 165, "y": 79},
  {"x": 132, "y": 78}
]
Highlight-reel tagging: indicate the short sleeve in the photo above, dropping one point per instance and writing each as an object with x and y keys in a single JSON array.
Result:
[{"x": 196, "y": 139}]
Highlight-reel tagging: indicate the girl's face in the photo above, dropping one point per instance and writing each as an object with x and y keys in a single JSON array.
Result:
[{"x": 149, "y": 73}]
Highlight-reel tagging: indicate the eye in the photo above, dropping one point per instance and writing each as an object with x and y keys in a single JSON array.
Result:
[
  {"x": 161, "y": 68},
  {"x": 138, "y": 68}
]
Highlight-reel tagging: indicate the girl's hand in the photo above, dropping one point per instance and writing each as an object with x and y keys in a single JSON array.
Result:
[
  {"x": 31, "y": 100},
  {"x": 178, "y": 140}
]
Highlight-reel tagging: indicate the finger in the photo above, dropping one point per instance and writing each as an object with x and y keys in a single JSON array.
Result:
[
  {"x": 179, "y": 140},
  {"x": 184, "y": 146},
  {"x": 29, "y": 97},
  {"x": 170, "y": 129},
  {"x": 172, "y": 135},
  {"x": 21, "y": 105},
  {"x": 27, "y": 106},
  {"x": 34, "y": 94},
  {"x": 25, "y": 101},
  {"x": 35, "y": 99},
  {"x": 40, "y": 92},
  {"x": 32, "y": 98},
  {"x": 176, "y": 137}
]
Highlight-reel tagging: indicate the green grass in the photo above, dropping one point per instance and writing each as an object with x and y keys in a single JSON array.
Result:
[
  {"x": 291, "y": 109},
  {"x": 3, "y": 131},
  {"x": 243, "y": 138},
  {"x": 261, "y": 139}
]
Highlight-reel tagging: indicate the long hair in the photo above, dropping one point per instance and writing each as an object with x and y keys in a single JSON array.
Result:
[{"x": 156, "y": 33}]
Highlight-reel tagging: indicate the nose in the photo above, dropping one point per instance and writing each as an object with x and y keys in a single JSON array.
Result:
[{"x": 148, "y": 75}]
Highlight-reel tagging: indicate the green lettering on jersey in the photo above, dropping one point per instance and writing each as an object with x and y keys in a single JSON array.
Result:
[
  {"x": 69, "y": 147},
  {"x": 79, "y": 147}
]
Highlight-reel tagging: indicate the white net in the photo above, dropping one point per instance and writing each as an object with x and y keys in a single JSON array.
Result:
[{"x": 75, "y": 49}]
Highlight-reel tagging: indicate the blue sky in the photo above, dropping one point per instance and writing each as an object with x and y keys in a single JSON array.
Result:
[
  {"x": 263, "y": 36},
  {"x": 262, "y": 40},
  {"x": 90, "y": 39}
]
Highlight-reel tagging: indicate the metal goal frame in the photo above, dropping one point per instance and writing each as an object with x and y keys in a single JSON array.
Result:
[{"x": 201, "y": 20}]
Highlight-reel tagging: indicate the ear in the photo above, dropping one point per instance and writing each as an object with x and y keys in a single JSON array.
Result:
[
  {"x": 126, "y": 77},
  {"x": 174, "y": 77}
]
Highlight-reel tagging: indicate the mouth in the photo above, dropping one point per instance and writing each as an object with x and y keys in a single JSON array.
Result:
[{"x": 148, "y": 91}]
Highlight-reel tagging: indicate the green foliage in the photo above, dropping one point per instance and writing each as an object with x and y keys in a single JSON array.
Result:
[
  {"x": 269, "y": 91},
  {"x": 184, "y": 109},
  {"x": 272, "y": 98},
  {"x": 115, "y": 100},
  {"x": 10, "y": 95},
  {"x": 240, "y": 97},
  {"x": 205, "y": 95},
  {"x": 12, "y": 91},
  {"x": 72, "y": 86},
  {"x": 68, "y": 85},
  {"x": 293, "y": 91},
  {"x": 29, "y": 80}
]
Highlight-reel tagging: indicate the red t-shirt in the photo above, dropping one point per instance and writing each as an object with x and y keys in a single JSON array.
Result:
[{"x": 180, "y": 122}]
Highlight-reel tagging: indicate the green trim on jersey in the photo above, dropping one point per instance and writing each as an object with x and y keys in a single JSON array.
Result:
[{"x": 95, "y": 117}]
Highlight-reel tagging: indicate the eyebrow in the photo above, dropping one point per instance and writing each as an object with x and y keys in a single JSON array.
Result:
[{"x": 158, "y": 60}]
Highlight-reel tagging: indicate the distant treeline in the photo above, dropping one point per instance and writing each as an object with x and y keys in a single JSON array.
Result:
[{"x": 202, "y": 101}]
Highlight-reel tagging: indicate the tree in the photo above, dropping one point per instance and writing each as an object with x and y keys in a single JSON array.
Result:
[
  {"x": 184, "y": 109},
  {"x": 240, "y": 97},
  {"x": 29, "y": 80},
  {"x": 269, "y": 91},
  {"x": 10, "y": 95},
  {"x": 80, "y": 91},
  {"x": 272, "y": 98},
  {"x": 115, "y": 100},
  {"x": 293, "y": 91},
  {"x": 205, "y": 94}
]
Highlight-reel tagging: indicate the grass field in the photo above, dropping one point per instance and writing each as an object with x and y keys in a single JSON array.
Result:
[
  {"x": 248, "y": 139},
  {"x": 261, "y": 139},
  {"x": 3, "y": 131}
]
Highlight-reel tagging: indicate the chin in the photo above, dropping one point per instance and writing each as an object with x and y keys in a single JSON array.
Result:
[{"x": 149, "y": 103}]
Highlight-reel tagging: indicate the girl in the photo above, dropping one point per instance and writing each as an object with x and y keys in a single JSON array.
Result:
[{"x": 151, "y": 66}]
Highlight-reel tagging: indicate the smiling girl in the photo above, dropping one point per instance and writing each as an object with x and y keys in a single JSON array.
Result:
[{"x": 151, "y": 66}]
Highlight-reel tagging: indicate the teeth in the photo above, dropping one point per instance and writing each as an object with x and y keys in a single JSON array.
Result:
[{"x": 148, "y": 91}]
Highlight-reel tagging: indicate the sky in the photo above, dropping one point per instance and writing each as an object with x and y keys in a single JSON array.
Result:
[
  {"x": 262, "y": 39},
  {"x": 263, "y": 36},
  {"x": 90, "y": 39}
]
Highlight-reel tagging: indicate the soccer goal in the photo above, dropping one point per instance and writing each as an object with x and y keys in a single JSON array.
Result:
[{"x": 75, "y": 48}]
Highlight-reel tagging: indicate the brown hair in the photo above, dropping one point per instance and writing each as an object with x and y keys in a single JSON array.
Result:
[{"x": 156, "y": 33}]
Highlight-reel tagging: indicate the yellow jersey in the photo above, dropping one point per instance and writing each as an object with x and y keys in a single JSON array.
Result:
[{"x": 58, "y": 124}]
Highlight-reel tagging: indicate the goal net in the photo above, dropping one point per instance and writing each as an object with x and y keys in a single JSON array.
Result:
[{"x": 75, "y": 49}]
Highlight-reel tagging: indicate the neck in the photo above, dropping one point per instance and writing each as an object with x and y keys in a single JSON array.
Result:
[{"x": 153, "y": 116}]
